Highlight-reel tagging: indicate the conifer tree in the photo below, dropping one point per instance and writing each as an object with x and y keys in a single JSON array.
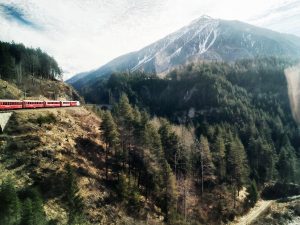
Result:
[
  {"x": 124, "y": 115},
  {"x": 203, "y": 161},
  {"x": 286, "y": 164},
  {"x": 237, "y": 166},
  {"x": 261, "y": 160},
  {"x": 253, "y": 194},
  {"x": 110, "y": 135},
  {"x": 27, "y": 213},
  {"x": 74, "y": 200},
  {"x": 10, "y": 209},
  {"x": 39, "y": 217},
  {"x": 220, "y": 152},
  {"x": 169, "y": 194},
  {"x": 172, "y": 147}
]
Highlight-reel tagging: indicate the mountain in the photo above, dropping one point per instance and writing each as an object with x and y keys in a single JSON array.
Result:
[{"x": 204, "y": 39}]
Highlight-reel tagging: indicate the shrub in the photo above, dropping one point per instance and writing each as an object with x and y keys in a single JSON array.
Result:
[
  {"x": 280, "y": 190},
  {"x": 50, "y": 118}
]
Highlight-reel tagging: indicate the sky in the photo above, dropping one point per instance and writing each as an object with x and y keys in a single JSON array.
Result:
[{"x": 82, "y": 35}]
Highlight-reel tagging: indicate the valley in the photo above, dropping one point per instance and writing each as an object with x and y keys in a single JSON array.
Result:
[{"x": 199, "y": 127}]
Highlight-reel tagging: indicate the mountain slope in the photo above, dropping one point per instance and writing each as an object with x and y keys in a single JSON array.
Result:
[
  {"x": 31, "y": 72},
  {"x": 203, "y": 39},
  {"x": 37, "y": 158}
]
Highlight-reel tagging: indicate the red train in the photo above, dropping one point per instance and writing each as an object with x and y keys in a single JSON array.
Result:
[{"x": 33, "y": 104}]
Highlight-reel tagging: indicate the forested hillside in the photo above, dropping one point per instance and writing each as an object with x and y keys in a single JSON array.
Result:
[
  {"x": 237, "y": 118},
  {"x": 248, "y": 99},
  {"x": 18, "y": 62},
  {"x": 32, "y": 74}
]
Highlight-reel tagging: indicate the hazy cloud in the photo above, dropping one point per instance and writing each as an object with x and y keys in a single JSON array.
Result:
[
  {"x": 15, "y": 14},
  {"x": 84, "y": 34}
]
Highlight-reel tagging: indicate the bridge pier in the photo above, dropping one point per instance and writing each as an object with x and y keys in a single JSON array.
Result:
[{"x": 4, "y": 118}]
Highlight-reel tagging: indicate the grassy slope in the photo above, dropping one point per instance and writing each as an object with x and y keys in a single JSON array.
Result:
[
  {"x": 33, "y": 154},
  {"x": 9, "y": 91},
  {"x": 38, "y": 89}
]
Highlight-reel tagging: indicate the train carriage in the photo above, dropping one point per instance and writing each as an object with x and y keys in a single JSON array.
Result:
[
  {"x": 52, "y": 104},
  {"x": 32, "y": 104},
  {"x": 65, "y": 103},
  {"x": 10, "y": 104},
  {"x": 74, "y": 103}
]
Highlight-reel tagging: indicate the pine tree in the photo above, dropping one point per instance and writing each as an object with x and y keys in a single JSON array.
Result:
[
  {"x": 169, "y": 194},
  {"x": 203, "y": 161},
  {"x": 27, "y": 213},
  {"x": 39, "y": 217},
  {"x": 286, "y": 164},
  {"x": 253, "y": 194},
  {"x": 220, "y": 152},
  {"x": 237, "y": 168},
  {"x": 110, "y": 135},
  {"x": 73, "y": 198},
  {"x": 122, "y": 188},
  {"x": 261, "y": 160},
  {"x": 10, "y": 209},
  {"x": 124, "y": 115},
  {"x": 173, "y": 149}
]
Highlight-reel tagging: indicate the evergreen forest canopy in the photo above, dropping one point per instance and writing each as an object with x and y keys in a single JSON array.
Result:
[
  {"x": 18, "y": 62},
  {"x": 248, "y": 99},
  {"x": 242, "y": 128}
]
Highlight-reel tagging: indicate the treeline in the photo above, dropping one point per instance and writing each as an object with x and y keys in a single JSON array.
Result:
[
  {"x": 150, "y": 162},
  {"x": 23, "y": 209},
  {"x": 250, "y": 98},
  {"x": 18, "y": 62},
  {"x": 26, "y": 206}
]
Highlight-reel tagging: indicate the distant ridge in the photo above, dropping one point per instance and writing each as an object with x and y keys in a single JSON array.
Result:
[{"x": 204, "y": 39}]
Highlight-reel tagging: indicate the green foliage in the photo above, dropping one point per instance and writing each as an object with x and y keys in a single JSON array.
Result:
[
  {"x": 110, "y": 135},
  {"x": 202, "y": 162},
  {"x": 122, "y": 188},
  {"x": 27, "y": 213},
  {"x": 173, "y": 149},
  {"x": 286, "y": 164},
  {"x": 240, "y": 112},
  {"x": 261, "y": 160},
  {"x": 10, "y": 208},
  {"x": 280, "y": 190},
  {"x": 20, "y": 211},
  {"x": 237, "y": 165},
  {"x": 18, "y": 62},
  {"x": 109, "y": 129},
  {"x": 220, "y": 157},
  {"x": 74, "y": 201},
  {"x": 47, "y": 119},
  {"x": 252, "y": 194}
]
